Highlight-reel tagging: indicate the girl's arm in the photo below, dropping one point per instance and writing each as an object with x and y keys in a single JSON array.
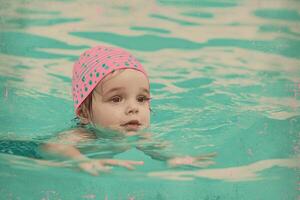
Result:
[
  {"x": 64, "y": 148},
  {"x": 158, "y": 150}
]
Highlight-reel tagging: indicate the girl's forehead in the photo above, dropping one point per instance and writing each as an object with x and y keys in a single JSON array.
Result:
[{"x": 123, "y": 79}]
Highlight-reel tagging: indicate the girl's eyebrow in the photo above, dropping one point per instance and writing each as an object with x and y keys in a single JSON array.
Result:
[
  {"x": 113, "y": 90},
  {"x": 122, "y": 88},
  {"x": 145, "y": 90}
]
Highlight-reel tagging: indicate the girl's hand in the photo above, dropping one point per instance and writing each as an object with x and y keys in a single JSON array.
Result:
[
  {"x": 162, "y": 145},
  {"x": 93, "y": 166},
  {"x": 198, "y": 161}
]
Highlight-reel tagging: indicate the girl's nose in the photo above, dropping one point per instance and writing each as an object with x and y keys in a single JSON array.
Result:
[{"x": 132, "y": 108}]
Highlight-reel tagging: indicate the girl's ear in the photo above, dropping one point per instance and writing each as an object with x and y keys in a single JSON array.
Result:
[{"x": 83, "y": 115}]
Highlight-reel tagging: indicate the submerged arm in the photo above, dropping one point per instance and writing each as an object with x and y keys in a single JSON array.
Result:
[
  {"x": 155, "y": 148},
  {"x": 158, "y": 150},
  {"x": 64, "y": 148},
  {"x": 155, "y": 152}
]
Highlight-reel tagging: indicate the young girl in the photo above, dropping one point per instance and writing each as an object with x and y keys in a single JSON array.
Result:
[{"x": 111, "y": 94}]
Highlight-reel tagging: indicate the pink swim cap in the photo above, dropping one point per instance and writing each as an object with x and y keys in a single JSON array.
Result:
[{"x": 96, "y": 63}]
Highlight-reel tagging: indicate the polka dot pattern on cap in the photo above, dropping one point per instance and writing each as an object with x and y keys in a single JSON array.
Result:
[{"x": 95, "y": 64}]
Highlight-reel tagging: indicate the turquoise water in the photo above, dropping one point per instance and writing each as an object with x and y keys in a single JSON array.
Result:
[{"x": 224, "y": 78}]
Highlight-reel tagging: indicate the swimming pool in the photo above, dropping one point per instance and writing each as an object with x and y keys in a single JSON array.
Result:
[{"x": 224, "y": 76}]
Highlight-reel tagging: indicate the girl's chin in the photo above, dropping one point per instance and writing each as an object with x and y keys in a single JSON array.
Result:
[
  {"x": 131, "y": 133},
  {"x": 126, "y": 130}
]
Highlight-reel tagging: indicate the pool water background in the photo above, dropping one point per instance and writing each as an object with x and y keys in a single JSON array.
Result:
[{"x": 224, "y": 78}]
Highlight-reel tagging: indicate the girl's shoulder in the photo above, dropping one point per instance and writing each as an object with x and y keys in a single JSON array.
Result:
[{"x": 74, "y": 135}]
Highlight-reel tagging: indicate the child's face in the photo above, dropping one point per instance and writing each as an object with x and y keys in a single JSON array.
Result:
[{"x": 121, "y": 102}]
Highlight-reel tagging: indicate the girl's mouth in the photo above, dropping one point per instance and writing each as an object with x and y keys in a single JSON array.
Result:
[{"x": 132, "y": 125}]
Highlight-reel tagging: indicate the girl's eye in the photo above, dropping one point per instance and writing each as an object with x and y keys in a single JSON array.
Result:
[
  {"x": 142, "y": 99},
  {"x": 116, "y": 99}
]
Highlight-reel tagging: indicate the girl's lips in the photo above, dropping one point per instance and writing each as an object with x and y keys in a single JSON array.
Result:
[
  {"x": 132, "y": 122},
  {"x": 132, "y": 125}
]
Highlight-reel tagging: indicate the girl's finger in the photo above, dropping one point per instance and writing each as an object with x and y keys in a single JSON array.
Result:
[
  {"x": 135, "y": 162},
  {"x": 126, "y": 165},
  {"x": 107, "y": 162},
  {"x": 103, "y": 168},
  {"x": 117, "y": 162},
  {"x": 206, "y": 156},
  {"x": 202, "y": 164},
  {"x": 92, "y": 172},
  {"x": 89, "y": 169}
]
